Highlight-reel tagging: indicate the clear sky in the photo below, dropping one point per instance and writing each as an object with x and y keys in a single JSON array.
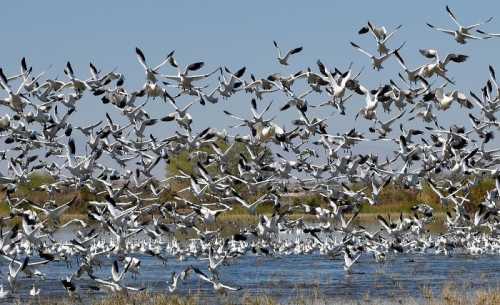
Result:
[
  {"x": 234, "y": 34},
  {"x": 229, "y": 32}
]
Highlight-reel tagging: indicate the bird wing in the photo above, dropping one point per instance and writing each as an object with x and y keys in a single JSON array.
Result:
[
  {"x": 172, "y": 77},
  {"x": 434, "y": 189},
  {"x": 389, "y": 122},
  {"x": 293, "y": 51},
  {"x": 450, "y": 32},
  {"x": 201, "y": 275},
  {"x": 373, "y": 31},
  {"x": 452, "y": 16},
  {"x": 361, "y": 50},
  {"x": 64, "y": 206},
  {"x": 44, "y": 262},
  {"x": 115, "y": 272},
  {"x": 141, "y": 58},
  {"x": 475, "y": 37},
  {"x": 475, "y": 25},
  {"x": 229, "y": 287},
  {"x": 201, "y": 76},
  {"x": 458, "y": 58},
  {"x": 383, "y": 222},
  {"x": 234, "y": 116},
  {"x": 134, "y": 288},
  {"x": 277, "y": 47},
  {"x": 164, "y": 61},
  {"x": 392, "y": 33}
]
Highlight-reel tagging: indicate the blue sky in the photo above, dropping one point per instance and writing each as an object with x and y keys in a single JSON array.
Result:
[
  {"x": 229, "y": 32},
  {"x": 234, "y": 33}
]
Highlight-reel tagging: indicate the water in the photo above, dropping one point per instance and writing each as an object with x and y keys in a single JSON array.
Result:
[{"x": 400, "y": 276}]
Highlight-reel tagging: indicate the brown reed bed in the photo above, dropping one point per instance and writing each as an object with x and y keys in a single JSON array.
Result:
[{"x": 449, "y": 295}]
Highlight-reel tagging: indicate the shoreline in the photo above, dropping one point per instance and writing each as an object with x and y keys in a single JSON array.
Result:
[{"x": 449, "y": 295}]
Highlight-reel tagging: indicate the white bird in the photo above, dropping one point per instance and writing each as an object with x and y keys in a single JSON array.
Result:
[
  {"x": 463, "y": 32},
  {"x": 283, "y": 59},
  {"x": 14, "y": 273},
  {"x": 350, "y": 259},
  {"x": 34, "y": 291},
  {"x": 380, "y": 35},
  {"x": 214, "y": 280},
  {"x": 3, "y": 293},
  {"x": 54, "y": 214},
  {"x": 16, "y": 100},
  {"x": 115, "y": 284},
  {"x": 184, "y": 80},
  {"x": 151, "y": 73},
  {"x": 377, "y": 61}
]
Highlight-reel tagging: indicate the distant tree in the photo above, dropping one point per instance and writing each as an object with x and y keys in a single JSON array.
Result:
[{"x": 186, "y": 161}]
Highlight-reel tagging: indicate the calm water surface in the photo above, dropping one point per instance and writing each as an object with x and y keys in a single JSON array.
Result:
[{"x": 292, "y": 275}]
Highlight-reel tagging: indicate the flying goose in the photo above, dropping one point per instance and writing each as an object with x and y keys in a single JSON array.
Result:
[
  {"x": 283, "y": 59},
  {"x": 463, "y": 32}
]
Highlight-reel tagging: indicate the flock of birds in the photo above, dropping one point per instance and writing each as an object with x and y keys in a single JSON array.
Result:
[{"x": 129, "y": 220}]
